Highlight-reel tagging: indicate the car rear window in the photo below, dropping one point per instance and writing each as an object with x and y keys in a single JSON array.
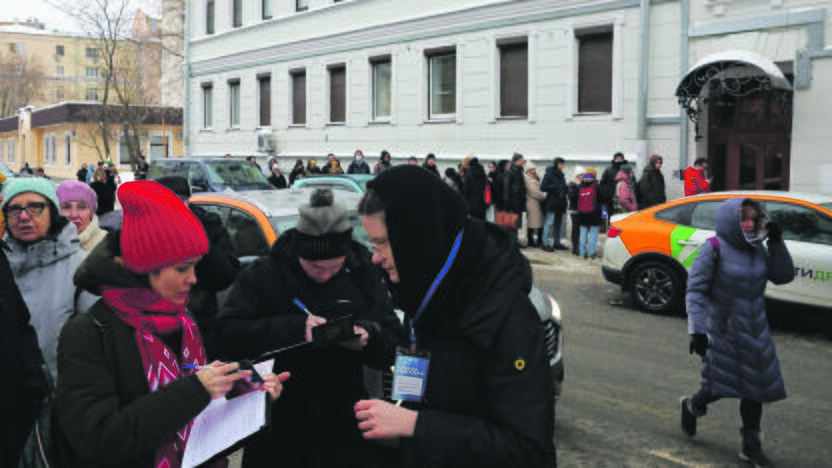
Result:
[
  {"x": 224, "y": 173},
  {"x": 160, "y": 169},
  {"x": 679, "y": 214}
]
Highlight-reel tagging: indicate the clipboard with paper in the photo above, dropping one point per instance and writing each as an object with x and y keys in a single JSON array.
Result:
[{"x": 226, "y": 424}]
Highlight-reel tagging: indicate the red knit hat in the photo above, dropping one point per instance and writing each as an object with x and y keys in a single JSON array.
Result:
[{"x": 158, "y": 229}]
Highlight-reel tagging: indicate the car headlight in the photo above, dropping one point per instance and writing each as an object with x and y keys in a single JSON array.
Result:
[{"x": 553, "y": 304}]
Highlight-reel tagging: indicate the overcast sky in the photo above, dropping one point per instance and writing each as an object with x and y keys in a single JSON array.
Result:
[{"x": 54, "y": 19}]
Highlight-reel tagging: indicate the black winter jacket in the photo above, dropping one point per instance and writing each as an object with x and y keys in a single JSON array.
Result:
[
  {"x": 313, "y": 421},
  {"x": 215, "y": 272},
  {"x": 114, "y": 420},
  {"x": 24, "y": 387},
  {"x": 514, "y": 190},
  {"x": 358, "y": 167},
  {"x": 554, "y": 184},
  {"x": 473, "y": 189}
]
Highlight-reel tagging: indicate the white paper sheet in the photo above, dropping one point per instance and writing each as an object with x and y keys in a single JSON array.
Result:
[{"x": 225, "y": 422}]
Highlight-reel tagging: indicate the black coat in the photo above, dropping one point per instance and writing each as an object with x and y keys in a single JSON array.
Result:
[
  {"x": 651, "y": 188},
  {"x": 313, "y": 421},
  {"x": 24, "y": 387},
  {"x": 358, "y": 167},
  {"x": 554, "y": 184},
  {"x": 296, "y": 172},
  {"x": 215, "y": 272},
  {"x": 514, "y": 190},
  {"x": 473, "y": 189},
  {"x": 279, "y": 181},
  {"x": 489, "y": 399},
  {"x": 432, "y": 169}
]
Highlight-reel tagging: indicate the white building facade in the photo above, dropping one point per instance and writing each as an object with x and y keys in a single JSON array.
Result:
[{"x": 577, "y": 79}]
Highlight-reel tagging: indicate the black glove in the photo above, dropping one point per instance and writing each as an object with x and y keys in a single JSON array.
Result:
[
  {"x": 698, "y": 344},
  {"x": 775, "y": 232}
]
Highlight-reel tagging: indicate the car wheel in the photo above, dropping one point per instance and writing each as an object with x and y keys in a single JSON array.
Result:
[{"x": 656, "y": 287}]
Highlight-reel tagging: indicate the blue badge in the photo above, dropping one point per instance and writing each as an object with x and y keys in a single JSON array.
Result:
[{"x": 410, "y": 377}]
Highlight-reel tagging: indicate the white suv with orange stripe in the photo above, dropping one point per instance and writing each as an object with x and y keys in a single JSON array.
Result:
[{"x": 649, "y": 252}]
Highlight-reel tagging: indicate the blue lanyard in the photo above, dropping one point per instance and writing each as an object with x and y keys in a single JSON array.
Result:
[{"x": 434, "y": 286}]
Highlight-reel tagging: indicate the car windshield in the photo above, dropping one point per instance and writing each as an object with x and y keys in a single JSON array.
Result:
[
  {"x": 235, "y": 174},
  {"x": 328, "y": 184},
  {"x": 284, "y": 223}
]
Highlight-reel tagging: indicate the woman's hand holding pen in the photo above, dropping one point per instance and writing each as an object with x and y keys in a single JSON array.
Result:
[
  {"x": 313, "y": 321},
  {"x": 218, "y": 378}
]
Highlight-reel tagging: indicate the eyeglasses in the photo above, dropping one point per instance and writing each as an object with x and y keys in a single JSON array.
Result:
[
  {"x": 375, "y": 245},
  {"x": 34, "y": 209}
]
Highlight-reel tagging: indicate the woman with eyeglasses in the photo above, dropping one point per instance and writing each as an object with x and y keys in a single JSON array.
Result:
[{"x": 44, "y": 253}]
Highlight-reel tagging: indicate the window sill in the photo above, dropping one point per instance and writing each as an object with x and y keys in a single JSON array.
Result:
[
  {"x": 232, "y": 129},
  {"x": 297, "y": 126},
  {"x": 596, "y": 116},
  {"x": 336, "y": 124},
  {"x": 512, "y": 118},
  {"x": 449, "y": 120},
  {"x": 380, "y": 122},
  {"x": 206, "y": 130}
]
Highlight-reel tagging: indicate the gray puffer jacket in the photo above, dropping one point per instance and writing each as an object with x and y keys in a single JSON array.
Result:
[
  {"x": 725, "y": 300},
  {"x": 43, "y": 272}
]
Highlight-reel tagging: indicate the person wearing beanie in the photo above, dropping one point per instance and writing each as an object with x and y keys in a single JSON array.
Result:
[
  {"x": 383, "y": 162},
  {"x": 312, "y": 168},
  {"x": 78, "y": 202},
  {"x": 651, "y": 186},
  {"x": 534, "y": 207},
  {"x": 44, "y": 252},
  {"x": 514, "y": 190},
  {"x": 430, "y": 165},
  {"x": 297, "y": 172},
  {"x": 625, "y": 200},
  {"x": 590, "y": 202},
  {"x": 557, "y": 191},
  {"x": 489, "y": 395},
  {"x": 138, "y": 409},
  {"x": 217, "y": 269},
  {"x": 319, "y": 265}
]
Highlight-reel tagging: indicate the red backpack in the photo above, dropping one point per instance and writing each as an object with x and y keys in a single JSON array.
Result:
[
  {"x": 586, "y": 199},
  {"x": 487, "y": 193}
]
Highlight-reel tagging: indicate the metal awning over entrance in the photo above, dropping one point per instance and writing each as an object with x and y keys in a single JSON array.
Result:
[{"x": 734, "y": 72}]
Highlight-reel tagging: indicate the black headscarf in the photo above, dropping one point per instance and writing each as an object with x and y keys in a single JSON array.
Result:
[{"x": 423, "y": 217}]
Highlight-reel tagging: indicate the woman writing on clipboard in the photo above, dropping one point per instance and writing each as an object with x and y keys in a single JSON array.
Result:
[{"x": 123, "y": 397}]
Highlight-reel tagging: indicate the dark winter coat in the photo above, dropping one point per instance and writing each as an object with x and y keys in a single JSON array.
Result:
[
  {"x": 473, "y": 189},
  {"x": 595, "y": 218},
  {"x": 489, "y": 397},
  {"x": 113, "y": 420},
  {"x": 313, "y": 423},
  {"x": 432, "y": 169},
  {"x": 607, "y": 184},
  {"x": 726, "y": 301},
  {"x": 24, "y": 387},
  {"x": 296, "y": 172},
  {"x": 497, "y": 190},
  {"x": 358, "y": 167},
  {"x": 514, "y": 190},
  {"x": 81, "y": 175},
  {"x": 554, "y": 184},
  {"x": 215, "y": 272},
  {"x": 279, "y": 181},
  {"x": 651, "y": 188}
]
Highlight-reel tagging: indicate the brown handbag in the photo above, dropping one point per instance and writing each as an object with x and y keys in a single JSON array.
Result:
[{"x": 507, "y": 219}]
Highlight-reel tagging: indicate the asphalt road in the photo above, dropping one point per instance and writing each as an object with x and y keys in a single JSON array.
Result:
[{"x": 625, "y": 372}]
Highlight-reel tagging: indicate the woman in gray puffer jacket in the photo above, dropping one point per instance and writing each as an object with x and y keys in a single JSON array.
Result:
[{"x": 727, "y": 319}]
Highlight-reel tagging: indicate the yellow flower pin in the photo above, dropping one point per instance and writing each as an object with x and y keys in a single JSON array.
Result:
[{"x": 520, "y": 364}]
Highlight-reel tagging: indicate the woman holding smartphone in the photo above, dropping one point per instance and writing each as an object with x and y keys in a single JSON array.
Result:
[{"x": 128, "y": 400}]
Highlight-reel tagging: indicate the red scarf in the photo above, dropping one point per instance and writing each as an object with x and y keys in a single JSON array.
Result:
[{"x": 152, "y": 316}]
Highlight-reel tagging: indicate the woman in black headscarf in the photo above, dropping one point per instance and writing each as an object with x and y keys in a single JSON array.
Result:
[{"x": 463, "y": 286}]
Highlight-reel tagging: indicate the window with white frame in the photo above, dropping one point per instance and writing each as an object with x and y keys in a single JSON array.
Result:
[
  {"x": 10, "y": 155},
  {"x": 59, "y": 94},
  {"x": 59, "y": 70},
  {"x": 207, "y": 105},
  {"x": 67, "y": 149},
  {"x": 337, "y": 93},
  {"x": 266, "y": 8},
  {"x": 514, "y": 78},
  {"x": 298, "y": 78},
  {"x": 264, "y": 100},
  {"x": 92, "y": 53},
  {"x": 382, "y": 74},
  {"x": 595, "y": 70},
  {"x": 91, "y": 94},
  {"x": 301, "y": 5},
  {"x": 21, "y": 48},
  {"x": 441, "y": 83},
  {"x": 209, "y": 16},
  {"x": 93, "y": 72},
  {"x": 49, "y": 149},
  {"x": 234, "y": 103},
  {"x": 236, "y": 13}
]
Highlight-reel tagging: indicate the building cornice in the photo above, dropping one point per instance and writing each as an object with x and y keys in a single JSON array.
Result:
[{"x": 465, "y": 21}]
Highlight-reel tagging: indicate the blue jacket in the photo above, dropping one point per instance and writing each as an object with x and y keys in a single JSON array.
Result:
[
  {"x": 554, "y": 184},
  {"x": 725, "y": 300}
]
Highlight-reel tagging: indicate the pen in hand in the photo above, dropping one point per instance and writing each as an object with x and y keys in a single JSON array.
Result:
[
  {"x": 194, "y": 367},
  {"x": 302, "y": 307}
]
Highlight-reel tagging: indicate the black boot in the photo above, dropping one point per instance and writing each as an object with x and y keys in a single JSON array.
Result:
[
  {"x": 752, "y": 448},
  {"x": 530, "y": 238},
  {"x": 540, "y": 240}
]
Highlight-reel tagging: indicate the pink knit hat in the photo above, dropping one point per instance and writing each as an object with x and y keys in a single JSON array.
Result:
[
  {"x": 158, "y": 229},
  {"x": 73, "y": 190}
]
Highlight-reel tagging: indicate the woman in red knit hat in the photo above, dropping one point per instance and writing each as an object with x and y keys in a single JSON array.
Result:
[{"x": 137, "y": 409}]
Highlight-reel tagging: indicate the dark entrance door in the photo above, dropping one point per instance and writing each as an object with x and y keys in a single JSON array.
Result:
[{"x": 749, "y": 139}]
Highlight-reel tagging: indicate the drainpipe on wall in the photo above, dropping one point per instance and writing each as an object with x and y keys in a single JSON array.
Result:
[
  {"x": 683, "y": 65},
  {"x": 644, "y": 70},
  {"x": 186, "y": 82}
]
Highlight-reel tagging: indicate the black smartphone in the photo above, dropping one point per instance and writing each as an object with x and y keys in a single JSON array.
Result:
[
  {"x": 334, "y": 330},
  {"x": 247, "y": 385}
]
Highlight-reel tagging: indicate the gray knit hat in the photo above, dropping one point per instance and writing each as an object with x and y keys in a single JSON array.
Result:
[{"x": 324, "y": 230}]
